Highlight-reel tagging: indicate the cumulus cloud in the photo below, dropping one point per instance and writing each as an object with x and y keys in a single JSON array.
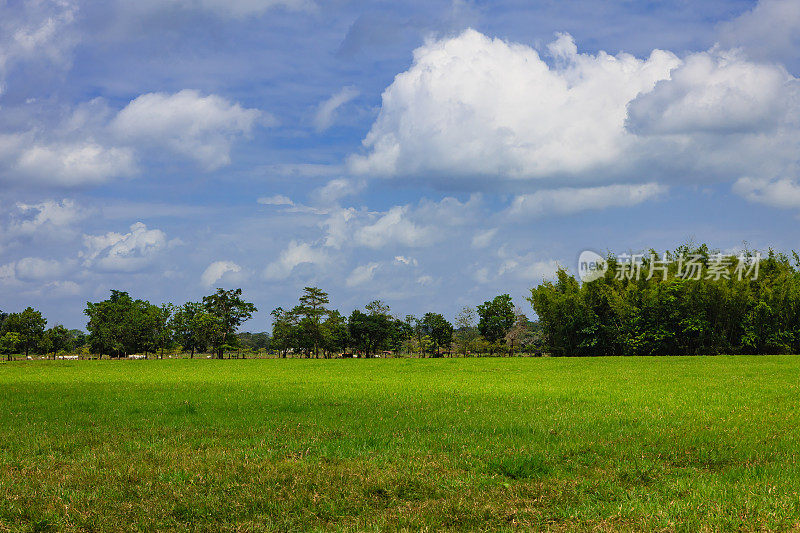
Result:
[
  {"x": 781, "y": 193},
  {"x": 216, "y": 270},
  {"x": 573, "y": 200},
  {"x": 295, "y": 254},
  {"x": 472, "y": 105},
  {"x": 394, "y": 227},
  {"x": 715, "y": 93},
  {"x": 199, "y": 127},
  {"x": 123, "y": 252},
  {"x": 362, "y": 274},
  {"x": 47, "y": 218},
  {"x": 326, "y": 112},
  {"x": 75, "y": 164},
  {"x": 481, "y": 109}
]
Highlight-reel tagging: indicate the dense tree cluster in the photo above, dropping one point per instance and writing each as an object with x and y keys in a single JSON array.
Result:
[
  {"x": 26, "y": 332},
  {"x": 312, "y": 329},
  {"x": 121, "y": 326},
  {"x": 672, "y": 310}
]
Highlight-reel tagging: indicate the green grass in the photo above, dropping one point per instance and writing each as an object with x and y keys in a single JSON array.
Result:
[{"x": 468, "y": 444}]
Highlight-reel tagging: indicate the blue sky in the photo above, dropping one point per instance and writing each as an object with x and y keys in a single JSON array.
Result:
[{"x": 430, "y": 154}]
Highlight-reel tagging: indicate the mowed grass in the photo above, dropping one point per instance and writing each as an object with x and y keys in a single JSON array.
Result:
[{"x": 466, "y": 444}]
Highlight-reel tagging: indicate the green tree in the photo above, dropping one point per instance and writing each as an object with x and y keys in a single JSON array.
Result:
[
  {"x": 439, "y": 330},
  {"x": 230, "y": 311},
  {"x": 56, "y": 339},
  {"x": 284, "y": 330},
  {"x": 496, "y": 318},
  {"x": 193, "y": 327},
  {"x": 9, "y": 343},
  {"x": 29, "y": 325},
  {"x": 312, "y": 310}
]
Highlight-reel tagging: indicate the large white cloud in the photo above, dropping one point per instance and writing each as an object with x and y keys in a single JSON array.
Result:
[
  {"x": 199, "y": 127},
  {"x": 476, "y": 106},
  {"x": 481, "y": 109}
]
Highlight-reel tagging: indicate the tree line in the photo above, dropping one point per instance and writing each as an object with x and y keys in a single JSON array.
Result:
[
  {"x": 703, "y": 310},
  {"x": 671, "y": 306},
  {"x": 121, "y": 326},
  {"x": 312, "y": 329}
]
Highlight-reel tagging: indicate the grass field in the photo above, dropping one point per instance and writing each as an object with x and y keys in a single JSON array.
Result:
[{"x": 467, "y": 444}]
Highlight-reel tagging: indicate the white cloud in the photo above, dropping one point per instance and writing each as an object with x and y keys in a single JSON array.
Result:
[
  {"x": 471, "y": 105},
  {"x": 47, "y": 218},
  {"x": 336, "y": 189},
  {"x": 37, "y": 269},
  {"x": 297, "y": 253},
  {"x": 277, "y": 199},
  {"x": 395, "y": 228},
  {"x": 362, "y": 274},
  {"x": 199, "y": 127},
  {"x": 217, "y": 270},
  {"x": 715, "y": 93},
  {"x": 407, "y": 225},
  {"x": 573, "y": 200},
  {"x": 128, "y": 252},
  {"x": 480, "y": 109},
  {"x": 85, "y": 163},
  {"x": 781, "y": 193},
  {"x": 326, "y": 113}
]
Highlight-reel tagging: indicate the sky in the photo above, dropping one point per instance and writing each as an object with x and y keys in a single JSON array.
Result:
[{"x": 432, "y": 154}]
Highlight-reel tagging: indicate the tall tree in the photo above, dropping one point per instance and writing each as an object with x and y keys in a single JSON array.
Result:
[
  {"x": 56, "y": 339},
  {"x": 193, "y": 327},
  {"x": 231, "y": 311},
  {"x": 439, "y": 330},
  {"x": 29, "y": 325},
  {"x": 496, "y": 318},
  {"x": 284, "y": 330},
  {"x": 312, "y": 310}
]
